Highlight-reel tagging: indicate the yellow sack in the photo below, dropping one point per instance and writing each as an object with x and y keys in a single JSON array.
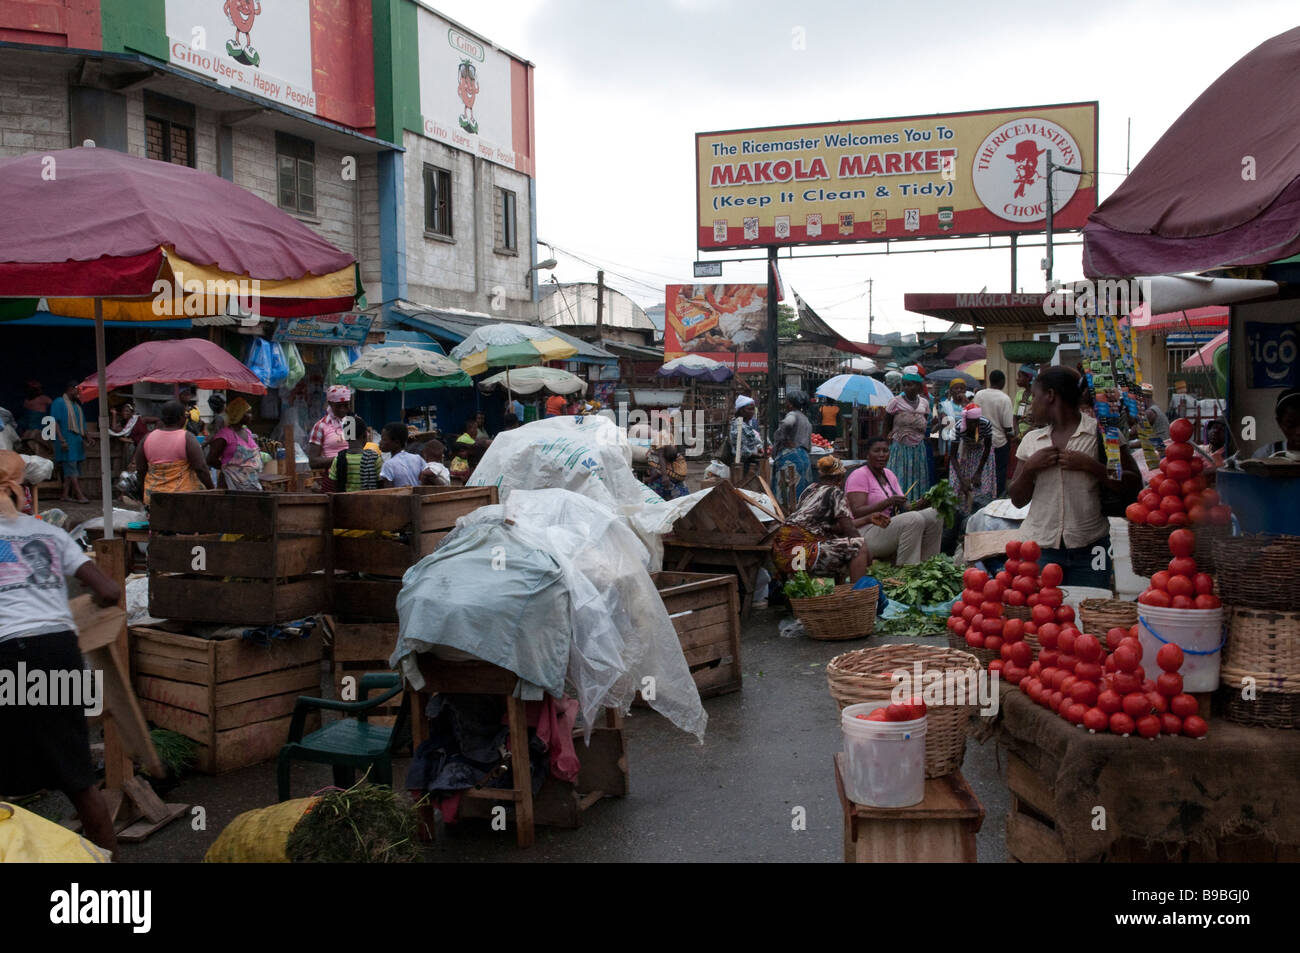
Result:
[
  {"x": 260, "y": 836},
  {"x": 27, "y": 838}
]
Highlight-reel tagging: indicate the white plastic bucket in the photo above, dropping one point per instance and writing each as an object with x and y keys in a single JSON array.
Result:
[
  {"x": 1198, "y": 632},
  {"x": 884, "y": 760},
  {"x": 1073, "y": 595}
]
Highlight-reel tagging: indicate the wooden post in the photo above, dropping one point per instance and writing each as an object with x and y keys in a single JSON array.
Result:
[
  {"x": 110, "y": 557},
  {"x": 291, "y": 458}
]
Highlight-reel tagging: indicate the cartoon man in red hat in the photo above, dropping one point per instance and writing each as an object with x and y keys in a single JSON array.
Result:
[
  {"x": 241, "y": 14},
  {"x": 1025, "y": 157},
  {"x": 467, "y": 89}
]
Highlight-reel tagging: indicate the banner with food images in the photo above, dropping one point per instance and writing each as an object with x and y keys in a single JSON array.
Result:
[{"x": 726, "y": 323}]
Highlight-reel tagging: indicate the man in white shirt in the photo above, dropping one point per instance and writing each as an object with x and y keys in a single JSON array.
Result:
[
  {"x": 997, "y": 410},
  {"x": 402, "y": 468}
]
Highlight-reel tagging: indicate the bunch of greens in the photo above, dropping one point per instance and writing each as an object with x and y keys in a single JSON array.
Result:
[
  {"x": 936, "y": 580},
  {"x": 913, "y": 623},
  {"x": 804, "y": 586},
  {"x": 944, "y": 500},
  {"x": 364, "y": 824}
]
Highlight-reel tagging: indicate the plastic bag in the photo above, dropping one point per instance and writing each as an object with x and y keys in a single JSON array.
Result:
[
  {"x": 260, "y": 836},
  {"x": 27, "y": 838},
  {"x": 293, "y": 361}
]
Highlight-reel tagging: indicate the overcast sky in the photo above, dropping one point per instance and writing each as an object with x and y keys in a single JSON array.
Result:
[{"x": 621, "y": 89}]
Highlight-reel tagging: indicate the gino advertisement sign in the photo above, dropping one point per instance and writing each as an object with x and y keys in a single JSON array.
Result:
[
  {"x": 727, "y": 323},
  {"x": 974, "y": 173},
  {"x": 261, "y": 48}
]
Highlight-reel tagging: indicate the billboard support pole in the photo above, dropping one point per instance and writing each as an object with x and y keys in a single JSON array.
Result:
[
  {"x": 1013, "y": 264},
  {"x": 772, "y": 409}
]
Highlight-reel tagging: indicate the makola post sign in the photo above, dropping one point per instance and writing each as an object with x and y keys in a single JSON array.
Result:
[{"x": 954, "y": 174}]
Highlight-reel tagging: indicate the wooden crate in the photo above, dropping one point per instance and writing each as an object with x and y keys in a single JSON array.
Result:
[
  {"x": 234, "y": 698},
  {"x": 358, "y": 649},
  {"x": 406, "y": 524},
  {"x": 705, "y": 610},
  {"x": 941, "y": 829},
  {"x": 277, "y": 573}
]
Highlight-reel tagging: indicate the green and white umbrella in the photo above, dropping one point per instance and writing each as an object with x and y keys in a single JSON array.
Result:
[
  {"x": 510, "y": 345},
  {"x": 403, "y": 368},
  {"x": 530, "y": 380}
]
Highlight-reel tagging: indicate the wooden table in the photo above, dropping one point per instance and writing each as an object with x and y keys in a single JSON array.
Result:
[{"x": 941, "y": 829}]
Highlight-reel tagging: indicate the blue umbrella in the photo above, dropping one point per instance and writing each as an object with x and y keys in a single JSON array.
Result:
[{"x": 856, "y": 389}]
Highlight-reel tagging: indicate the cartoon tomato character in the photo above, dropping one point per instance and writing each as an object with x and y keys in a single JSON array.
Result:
[
  {"x": 241, "y": 14},
  {"x": 467, "y": 89}
]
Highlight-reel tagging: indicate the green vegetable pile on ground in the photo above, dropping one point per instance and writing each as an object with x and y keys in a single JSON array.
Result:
[
  {"x": 804, "y": 586},
  {"x": 914, "y": 624},
  {"x": 944, "y": 500},
  {"x": 936, "y": 580}
]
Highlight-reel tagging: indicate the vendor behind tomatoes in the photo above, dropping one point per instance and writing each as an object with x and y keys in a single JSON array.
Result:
[{"x": 327, "y": 438}]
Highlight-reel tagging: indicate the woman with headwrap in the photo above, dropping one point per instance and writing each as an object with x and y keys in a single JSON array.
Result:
[
  {"x": 170, "y": 457},
  {"x": 820, "y": 534},
  {"x": 45, "y": 745},
  {"x": 792, "y": 462},
  {"x": 973, "y": 478},
  {"x": 327, "y": 436},
  {"x": 234, "y": 451},
  {"x": 908, "y": 417},
  {"x": 744, "y": 439}
]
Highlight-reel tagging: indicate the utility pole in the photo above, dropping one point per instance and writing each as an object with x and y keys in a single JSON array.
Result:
[
  {"x": 600, "y": 304},
  {"x": 870, "y": 314},
  {"x": 1052, "y": 167}
]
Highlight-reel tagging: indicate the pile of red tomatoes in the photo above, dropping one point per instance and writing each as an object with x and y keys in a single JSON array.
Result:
[
  {"x": 1176, "y": 494},
  {"x": 1182, "y": 586}
]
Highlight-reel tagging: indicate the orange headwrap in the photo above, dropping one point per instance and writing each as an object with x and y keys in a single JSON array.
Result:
[{"x": 11, "y": 483}]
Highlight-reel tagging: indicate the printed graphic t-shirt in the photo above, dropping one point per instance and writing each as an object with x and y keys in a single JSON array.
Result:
[{"x": 34, "y": 559}]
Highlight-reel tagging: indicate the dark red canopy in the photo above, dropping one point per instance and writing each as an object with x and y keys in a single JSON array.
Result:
[
  {"x": 1221, "y": 187},
  {"x": 188, "y": 361}
]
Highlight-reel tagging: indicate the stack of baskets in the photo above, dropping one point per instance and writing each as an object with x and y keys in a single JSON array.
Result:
[
  {"x": 1099, "y": 616},
  {"x": 846, "y": 613},
  {"x": 958, "y": 643},
  {"x": 862, "y": 676},
  {"x": 1262, "y": 653},
  {"x": 1149, "y": 546}
]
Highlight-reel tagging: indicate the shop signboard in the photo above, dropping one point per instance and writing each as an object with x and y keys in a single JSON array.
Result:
[
  {"x": 1273, "y": 350},
  {"x": 727, "y": 323},
  {"x": 954, "y": 174},
  {"x": 337, "y": 330}
]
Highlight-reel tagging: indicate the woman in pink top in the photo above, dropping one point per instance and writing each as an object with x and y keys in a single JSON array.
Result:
[
  {"x": 170, "y": 457},
  {"x": 234, "y": 451},
  {"x": 914, "y": 531}
]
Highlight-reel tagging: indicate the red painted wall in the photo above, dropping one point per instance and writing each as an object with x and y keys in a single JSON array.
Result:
[
  {"x": 521, "y": 112},
  {"x": 66, "y": 23},
  {"x": 343, "y": 62}
]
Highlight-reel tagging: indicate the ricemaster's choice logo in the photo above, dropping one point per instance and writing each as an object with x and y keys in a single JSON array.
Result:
[{"x": 1009, "y": 171}]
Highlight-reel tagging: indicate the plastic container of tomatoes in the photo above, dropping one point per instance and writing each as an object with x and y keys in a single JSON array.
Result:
[
  {"x": 884, "y": 760},
  {"x": 1199, "y": 633}
]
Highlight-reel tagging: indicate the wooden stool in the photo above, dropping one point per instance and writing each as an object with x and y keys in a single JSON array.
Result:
[{"x": 941, "y": 829}]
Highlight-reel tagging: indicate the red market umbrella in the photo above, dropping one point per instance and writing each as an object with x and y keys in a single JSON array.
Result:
[
  {"x": 194, "y": 361},
  {"x": 967, "y": 352},
  {"x": 1220, "y": 188},
  {"x": 1213, "y": 317},
  {"x": 111, "y": 236},
  {"x": 1204, "y": 358}
]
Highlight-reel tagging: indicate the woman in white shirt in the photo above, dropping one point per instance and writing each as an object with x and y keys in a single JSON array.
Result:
[{"x": 1061, "y": 475}]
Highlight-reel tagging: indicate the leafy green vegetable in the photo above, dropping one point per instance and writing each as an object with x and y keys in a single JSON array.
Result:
[
  {"x": 936, "y": 580},
  {"x": 804, "y": 586},
  {"x": 944, "y": 500},
  {"x": 913, "y": 623}
]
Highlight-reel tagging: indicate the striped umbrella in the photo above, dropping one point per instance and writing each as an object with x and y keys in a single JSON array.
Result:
[
  {"x": 403, "y": 368},
  {"x": 975, "y": 369},
  {"x": 530, "y": 380},
  {"x": 856, "y": 389},
  {"x": 509, "y": 345}
]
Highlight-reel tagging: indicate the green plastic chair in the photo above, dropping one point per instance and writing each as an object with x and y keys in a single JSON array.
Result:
[{"x": 348, "y": 744}]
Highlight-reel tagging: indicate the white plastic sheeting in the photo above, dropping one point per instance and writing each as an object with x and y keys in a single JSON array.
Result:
[{"x": 619, "y": 639}]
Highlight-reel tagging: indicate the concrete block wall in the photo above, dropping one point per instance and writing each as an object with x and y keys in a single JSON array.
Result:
[{"x": 33, "y": 110}]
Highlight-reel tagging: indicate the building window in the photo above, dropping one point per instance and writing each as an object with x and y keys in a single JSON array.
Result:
[
  {"x": 295, "y": 161},
  {"x": 507, "y": 233},
  {"x": 168, "y": 129},
  {"x": 437, "y": 200}
]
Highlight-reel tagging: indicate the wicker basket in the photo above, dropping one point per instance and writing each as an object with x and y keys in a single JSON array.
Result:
[
  {"x": 1149, "y": 546},
  {"x": 1023, "y": 613},
  {"x": 856, "y": 677},
  {"x": 1260, "y": 571},
  {"x": 1028, "y": 352},
  {"x": 1263, "y": 645},
  {"x": 846, "y": 613},
  {"x": 1099, "y": 616},
  {"x": 1266, "y": 709},
  {"x": 984, "y": 656}
]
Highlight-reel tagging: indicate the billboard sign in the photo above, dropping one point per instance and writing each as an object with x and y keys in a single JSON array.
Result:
[
  {"x": 727, "y": 323},
  {"x": 472, "y": 96},
  {"x": 343, "y": 330},
  {"x": 953, "y": 174},
  {"x": 264, "y": 49}
]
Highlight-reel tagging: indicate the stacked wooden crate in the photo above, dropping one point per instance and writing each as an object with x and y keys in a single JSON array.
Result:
[
  {"x": 706, "y": 614},
  {"x": 357, "y": 649}
]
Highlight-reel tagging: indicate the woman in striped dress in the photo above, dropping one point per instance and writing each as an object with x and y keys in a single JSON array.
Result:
[{"x": 907, "y": 417}]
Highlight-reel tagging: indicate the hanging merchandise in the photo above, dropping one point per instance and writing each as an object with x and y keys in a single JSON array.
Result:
[
  {"x": 266, "y": 360},
  {"x": 340, "y": 359},
  {"x": 293, "y": 361}
]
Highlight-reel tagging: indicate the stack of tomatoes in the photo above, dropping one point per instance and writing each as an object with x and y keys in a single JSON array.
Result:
[
  {"x": 977, "y": 615},
  {"x": 1103, "y": 687},
  {"x": 1176, "y": 494},
  {"x": 910, "y": 710},
  {"x": 819, "y": 441},
  {"x": 1022, "y": 583},
  {"x": 1182, "y": 586}
]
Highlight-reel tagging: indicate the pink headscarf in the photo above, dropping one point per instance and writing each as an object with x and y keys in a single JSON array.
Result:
[{"x": 338, "y": 394}]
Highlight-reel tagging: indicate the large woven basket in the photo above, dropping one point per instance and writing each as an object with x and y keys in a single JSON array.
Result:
[
  {"x": 1260, "y": 571},
  {"x": 1149, "y": 546},
  {"x": 862, "y": 676},
  {"x": 958, "y": 642},
  {"x": 1266, "y": 709},
  {"x": 1264, "y": 645},
  {"x": 1023, "y": 613},
  {"x": 846, "y": 613},
  {"x": 1099, "y": 616}
]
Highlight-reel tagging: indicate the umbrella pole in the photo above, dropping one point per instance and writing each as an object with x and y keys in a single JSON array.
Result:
[{"x": 105, "y": 451}]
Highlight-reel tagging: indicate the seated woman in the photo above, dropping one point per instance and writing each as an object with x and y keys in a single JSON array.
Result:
[
  {"x": 170, "y": 457},
  {"x": 821, "y": 535},
  {"x": 357, "y": 467},
  {"x": 667, "y": 472},
  {"x": 233, "y": 449},
  {"x": 911, "y": 532}
]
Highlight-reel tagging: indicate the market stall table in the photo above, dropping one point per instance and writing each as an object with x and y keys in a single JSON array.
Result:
[{"x": 1231, "y": 796}]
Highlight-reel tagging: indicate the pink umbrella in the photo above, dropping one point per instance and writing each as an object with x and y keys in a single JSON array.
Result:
[
  {"x": 1205, "y": 356},
  {"x": 1213, "y": 317},
  {"x": 194, "y": 361},
  {"x": 967, "y": 352}
]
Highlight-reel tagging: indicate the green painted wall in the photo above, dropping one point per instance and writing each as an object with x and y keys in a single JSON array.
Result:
[
  {"x": 134, "y": 26},
  {"x": 397, "y": 68}
]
